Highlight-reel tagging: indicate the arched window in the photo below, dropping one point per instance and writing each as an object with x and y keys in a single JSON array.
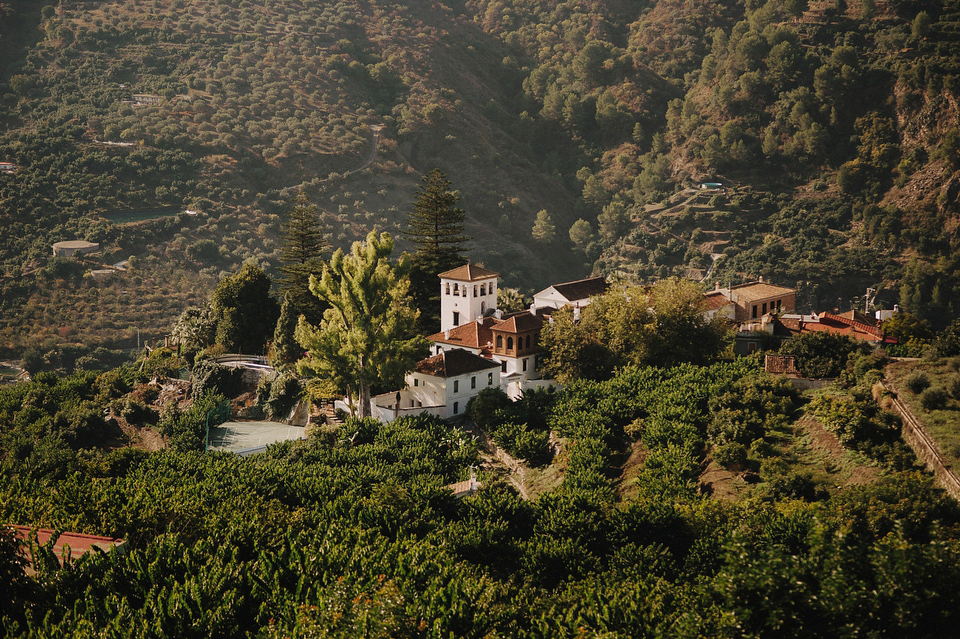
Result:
[
  {"x": 448, "y": 288},
  {"x": 456, "y": 289},
  {"x": 509, "y": 343},
  {"x": 528, "y": 341},
  {"x": 474, "y": 290},
  {"x": 483, "y": 290},
  {"x": 499, "y": 341}
]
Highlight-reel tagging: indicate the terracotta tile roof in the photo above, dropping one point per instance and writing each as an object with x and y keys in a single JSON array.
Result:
[
  {"x": 469, "y": 335},
  {"x": 453, "y": 363},
  {"x": 716, "y": 300},
  {"x": 759, "y": 291},
  {"x": 857, "y": 316},
  {"x": 842, "y": 326},
  {"x": 582, "y": 289},
  {"x": 836, "y": 325},
  {"x": 520, "y": 323},
  {"x": 79, "y": 543},
  {"x": 780, "y": 364},
  {"x": 468, "y": 273}
]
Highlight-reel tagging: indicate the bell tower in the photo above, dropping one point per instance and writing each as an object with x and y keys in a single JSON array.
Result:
[{"x": 466, "y": 293}]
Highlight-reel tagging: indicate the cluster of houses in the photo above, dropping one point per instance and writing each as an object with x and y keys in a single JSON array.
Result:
[
  {"x": 479, "y": 346},
  {"x": 765, "y": 314}
]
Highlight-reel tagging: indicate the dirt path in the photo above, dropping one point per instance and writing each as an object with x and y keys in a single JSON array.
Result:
[
  {"x": 493, "y": 456},
  {"x": 825, "y": 446}
]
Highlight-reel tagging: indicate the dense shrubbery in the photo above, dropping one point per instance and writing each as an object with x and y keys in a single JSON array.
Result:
[
  {"x": 917, "y": 382},
  {"x": 933, "y": 399},
  {"x": 821, "y": 354},
  {"x": 352, "y": 533},
  {"x": 859, "y": 423},
  {"x": 518, "y": 427}
]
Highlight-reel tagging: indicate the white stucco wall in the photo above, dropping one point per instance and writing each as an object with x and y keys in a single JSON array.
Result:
[{"x": 468, "y": 305}]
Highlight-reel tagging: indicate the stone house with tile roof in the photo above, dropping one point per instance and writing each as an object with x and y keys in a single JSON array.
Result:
[{"x": 753, "y": 300}]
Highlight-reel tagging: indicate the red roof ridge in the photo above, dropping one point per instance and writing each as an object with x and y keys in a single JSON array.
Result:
[{"x": 468, "y": 273}]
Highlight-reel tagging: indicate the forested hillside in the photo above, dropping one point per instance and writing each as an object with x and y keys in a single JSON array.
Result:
[{"x": 832, "y": 126}]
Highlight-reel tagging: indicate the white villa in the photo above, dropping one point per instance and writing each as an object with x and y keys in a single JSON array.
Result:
[
  {"x": 479, "y": 346},
  {"x": 440, "y": 385},
  {"x": 576, "y": 294}
]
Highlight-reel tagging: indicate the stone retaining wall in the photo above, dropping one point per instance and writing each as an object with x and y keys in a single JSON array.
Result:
[{"x": 923, "y": 445}]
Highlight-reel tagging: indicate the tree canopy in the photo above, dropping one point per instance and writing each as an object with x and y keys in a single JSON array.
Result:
[
  {"x": 663, "y": 325},
  {"x": 366, "y": 337},
  {"x": 245, "y": 312},
  {"x": 435, "y": 223}
]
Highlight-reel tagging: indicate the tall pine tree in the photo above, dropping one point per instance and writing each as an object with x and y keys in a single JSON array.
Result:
[
  {"x": 286, "y": 350},
  {"x": 304, "y": 243},
  {"x": 435, "y": 225}
]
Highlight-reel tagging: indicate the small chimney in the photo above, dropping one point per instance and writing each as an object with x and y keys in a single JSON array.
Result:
[
  {"x": 760, "y": 279},
  {"x": 446, "y": 334}
]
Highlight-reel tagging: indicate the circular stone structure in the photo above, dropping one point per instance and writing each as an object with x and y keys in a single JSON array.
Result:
[{"x": 72, "y": 247}]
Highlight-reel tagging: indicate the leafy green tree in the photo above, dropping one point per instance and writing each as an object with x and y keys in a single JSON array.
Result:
[
  {"x": 301, "y": 255},
  {"x": 820, "y": 354},
  {"x": 245, "y": 311},
  {"x": 366, "y": 336},
  {"x": 544, "y": 230},
  {"x": 949, "y": 148},
  {"x": 511, "y": 299},
  {"x": 681, "y": 331},
  {"x": 614, "y": 221},
  {"x": 920, "y": 27},
  {"x": 435, "y": 225},
  {"x": 660, "y": 326},
  {"x": 906, "y": 326}
]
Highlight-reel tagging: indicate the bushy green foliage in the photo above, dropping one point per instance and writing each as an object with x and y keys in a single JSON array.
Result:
[
  {"x": 186, "y": 429},
  {"x": 354, "y": 534},
  {"x": 820, "y": 354},
  {"x": 933, "y": 399},
  {"x": 209, "y": 376},
  {"x": 953, "y": 386},
  {"x": 518, "y": 427},
  {"x": 285, "y": 391},
  {"x": 859, "y": 423},
  {"x": 662, "y": 326},
  {"x": 730, "y": 455},
  {"x": 917, "y": 382},
  {"x": 246, "y": 314}
]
